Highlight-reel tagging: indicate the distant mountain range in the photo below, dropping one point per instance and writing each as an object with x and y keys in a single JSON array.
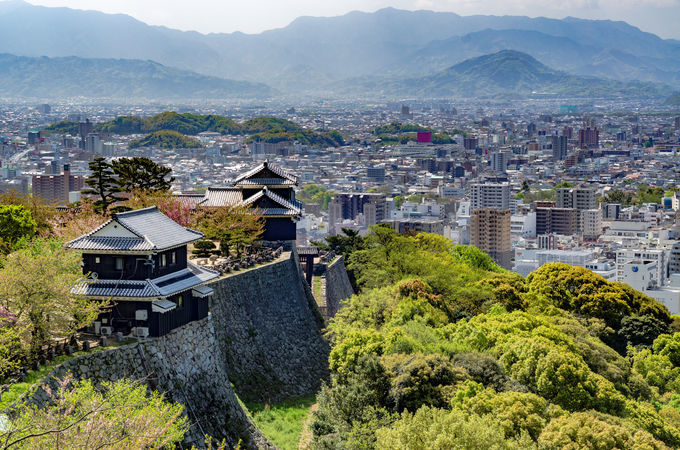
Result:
[
  {"x": 312, "y": 53},
  {"x": 49, "y": 78},
  {"x": 505, "y": 74}
]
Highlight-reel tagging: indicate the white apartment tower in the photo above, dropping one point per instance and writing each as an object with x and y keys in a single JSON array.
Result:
[{"x": 489, "y": 196}]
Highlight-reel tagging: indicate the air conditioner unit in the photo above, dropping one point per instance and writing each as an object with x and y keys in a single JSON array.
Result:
[
  {"x": 106, "y": 331},
  {"x": 142, "y": 331}
]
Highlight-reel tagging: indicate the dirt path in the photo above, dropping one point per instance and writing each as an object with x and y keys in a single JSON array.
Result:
[{"x": 305, "y": 441}]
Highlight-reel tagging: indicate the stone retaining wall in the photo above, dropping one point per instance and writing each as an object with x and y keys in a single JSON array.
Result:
[
  {"x": 268, "y": 328},
  {"x": 338, "y": 286},
  {"x": 185, "y": 366}
]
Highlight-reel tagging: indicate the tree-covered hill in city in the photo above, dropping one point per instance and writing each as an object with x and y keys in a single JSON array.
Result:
[
  {"x": 441, "y": 346},
  {"x": 399, "y": 133},
  {"x": 166, "y": 139},
  {"x": 267, "y": 129},
  {"x": 65, "y": 77}
]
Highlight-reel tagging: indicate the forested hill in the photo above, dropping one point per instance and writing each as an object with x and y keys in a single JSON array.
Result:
[
  {"x": 268, "y": 129},
  {"x": 441, "y": 346}
]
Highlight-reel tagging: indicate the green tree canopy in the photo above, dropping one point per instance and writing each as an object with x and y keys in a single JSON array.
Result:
[
  {"x": 141, "y": 174},
  {"x": 103, "y": 184},
  {"x": 16, "y": 223}
]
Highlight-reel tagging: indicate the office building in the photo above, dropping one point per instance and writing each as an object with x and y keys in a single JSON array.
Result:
[
  {"x": 629, "y": 259},
  {"x": 490, "y": 232}
]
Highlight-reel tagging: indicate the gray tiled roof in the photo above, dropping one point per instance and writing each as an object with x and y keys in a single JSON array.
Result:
[
  {"x": 103, "y": 243},
  {"x": 150, "y": 225},
  {"x": 165, "y": 286},
  {"x": 265, "y": 165},
  {"x": 267, "y": 182},
  {"x": 308, "y": 251},
  {"x": 222, "y": 196},
  {"x": 116, "y": 288},
  {"x": 287, "y": 208}
]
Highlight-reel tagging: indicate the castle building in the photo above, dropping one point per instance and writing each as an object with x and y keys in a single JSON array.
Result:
[
  {"x": 138, "y": 262},
  {"x": 267, "y": 188}
]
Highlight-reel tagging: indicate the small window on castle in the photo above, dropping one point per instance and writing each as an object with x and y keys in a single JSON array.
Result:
[
  {"x": 173, "y": 257},
  {"x": 180, "y": 301},
  {"x": 163, "y": 260},
  {"x": 97, "y": 260},
  {"x": 119, "y": 263}
]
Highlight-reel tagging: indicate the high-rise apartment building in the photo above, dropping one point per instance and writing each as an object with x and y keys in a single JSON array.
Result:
[
  {"x": 580, "y": 198},
  {"x": 499, "y": 161},
  {"x": 489, "y": 195},
  {"x": 559, "y": 147},
  {"x": 349, "y": 205},
  {"x": 490, "y": 232},
  {"x": 93, "y": 144},
  {"x": 589, "y": 138},
  {"x": 562, "y": 221},
  {"x": 470, "y": 143},
  {"x": 56, "y": 188},
  {"x": 591, "y": 223}
]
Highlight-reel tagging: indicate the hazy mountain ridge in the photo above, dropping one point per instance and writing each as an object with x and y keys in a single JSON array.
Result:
[
  {"x": 313, "y": 52},
  {"x": 112, "y": 78}
]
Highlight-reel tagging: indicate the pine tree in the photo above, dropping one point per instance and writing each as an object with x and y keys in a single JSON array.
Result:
[
  {"x": 141, "y": 174},
  {"x": 103, "y": 185}
]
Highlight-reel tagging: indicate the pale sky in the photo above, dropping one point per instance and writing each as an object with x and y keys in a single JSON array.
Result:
[{"x": 661, "y": 17}]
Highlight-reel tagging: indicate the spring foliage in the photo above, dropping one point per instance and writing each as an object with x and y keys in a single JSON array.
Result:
[
  {"x": 443, "y": 349},
  {"x": 122, "y": 414}
]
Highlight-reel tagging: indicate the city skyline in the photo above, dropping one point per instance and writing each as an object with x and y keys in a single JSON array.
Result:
[{"x": 654, "y": 16}]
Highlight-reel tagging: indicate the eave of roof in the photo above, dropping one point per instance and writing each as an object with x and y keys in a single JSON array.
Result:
[{"x": 147, "y": 290}]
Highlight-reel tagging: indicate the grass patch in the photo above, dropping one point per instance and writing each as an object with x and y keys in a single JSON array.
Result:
[
  {"x": 282, "y": 422},
  {"x": 16, "y": 390},
  {"x": 316, "y": 281}
]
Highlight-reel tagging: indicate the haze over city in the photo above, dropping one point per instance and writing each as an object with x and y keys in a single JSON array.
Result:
[{"x": 406, "y": 224}]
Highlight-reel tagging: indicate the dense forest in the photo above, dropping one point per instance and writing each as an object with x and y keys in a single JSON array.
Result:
[
  {"x": 441, "y": 348},
  {"x": 267, "y": 129}
]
